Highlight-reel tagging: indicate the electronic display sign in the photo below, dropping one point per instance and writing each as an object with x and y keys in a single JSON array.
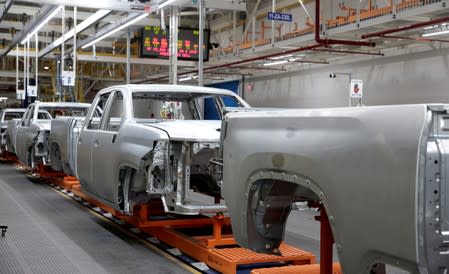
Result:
[{"x": 155, "y": 42}]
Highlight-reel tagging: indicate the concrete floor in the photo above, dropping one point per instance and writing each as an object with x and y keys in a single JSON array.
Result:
[{"x": 49, "y": 234}]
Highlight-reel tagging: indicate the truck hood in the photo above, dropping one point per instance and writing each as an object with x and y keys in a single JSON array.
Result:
[{"x": 190, "y": 130}]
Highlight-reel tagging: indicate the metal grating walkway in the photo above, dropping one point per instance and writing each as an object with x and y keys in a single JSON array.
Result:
[{"x": 48, "y": 234}]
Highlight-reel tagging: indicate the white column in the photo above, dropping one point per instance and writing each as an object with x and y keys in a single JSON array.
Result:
[
  {"x": 128, "y": 57},
  {"x": 28, "y": 64},
  {"x": 201, "y": 42},
  {"x": 36, "y": 73},
  {"x": 75, "y": 18},
  {"x": 173, "y": 47},
  {"x": 17, "y": 68},
  {"x": 62, "y": 94},
  {"x": 273, "y": 9}
]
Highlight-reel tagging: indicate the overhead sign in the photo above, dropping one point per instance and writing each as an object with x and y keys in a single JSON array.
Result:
[
  {"x": 32, "y": 91},
  {"x": 356, "y": 88},
  {"x": 68, "y": 78},
  {"x": 20, "y": 94},
  {"x": 286, "y": 17},
  {"x": 155, "y": 43}
]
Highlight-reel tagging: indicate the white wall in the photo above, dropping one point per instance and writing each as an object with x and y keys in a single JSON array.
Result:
[{"x": 417, "y": 75}]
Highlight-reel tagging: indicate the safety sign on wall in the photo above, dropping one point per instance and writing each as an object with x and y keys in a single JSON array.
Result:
[{"x": 356, "y": 88}]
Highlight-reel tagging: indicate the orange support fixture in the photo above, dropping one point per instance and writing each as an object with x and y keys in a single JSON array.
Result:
[
  {"x": 8, "y": 156},
  {"x": 297, "y": 269},
  {"x": 46, "y": 171},
  {"x": 227, "y": 259},
  {"x": 206, "y": 239}
]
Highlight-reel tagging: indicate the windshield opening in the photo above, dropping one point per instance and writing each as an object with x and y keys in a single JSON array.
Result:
[
  {"x": 12, "y": 115},
  {"x": 62, "y": 112},
  {"x": 180, "y": 106}
]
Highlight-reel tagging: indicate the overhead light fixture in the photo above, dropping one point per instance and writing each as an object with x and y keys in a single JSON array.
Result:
[
  {"x": 275, "y": 63},
  {"x": 281, "y": 57},
  {"x": 79, "y": 28},
  {"x": 445, "y": 25},
  {"x": 185, "y": 79},
  {"x": 138, "y": 18},
  {"x": 430, "y": 27},
  {"x": 41, "y": 24},
  {"x": 82, "y": 26},
  {"x": 435, "y": 33}
]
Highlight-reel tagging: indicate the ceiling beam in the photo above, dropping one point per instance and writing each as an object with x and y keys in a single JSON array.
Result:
[
  {"x": 44, "y": 12},
  {"x": 220, "y": 4},
  {"x": 8, "y": 4},
  {"x": 108, "y": 29},
  {"x": 143, "y": 61},
  {"x": 117, "y": 5},
  {"x": 21, "y": 9},
  {"x": 12, "y": 74},
  {"x": 71, "y": 33}
]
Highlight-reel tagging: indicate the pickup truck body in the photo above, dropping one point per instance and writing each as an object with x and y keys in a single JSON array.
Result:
[
  {"x": 32, "y": 132},
  {"x": 63, "y": 140},
  {"x": 152, "y": 141},
  {"x": 382, "y": 174},
  {"x": 6, "y": 115}
]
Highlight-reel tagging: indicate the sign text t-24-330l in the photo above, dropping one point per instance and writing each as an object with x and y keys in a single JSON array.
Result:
[{"x": 280, "y": 16}]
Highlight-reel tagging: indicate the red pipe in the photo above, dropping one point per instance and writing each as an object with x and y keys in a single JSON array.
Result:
[
  {"x": 243, "y": 61},
  {"x": 351, "y": 52},
  {"x": 419, "y": 39},
  {"x": 268, "y": 56},
  {"x": 320, "y": 43},
  {"x": 412, "y": 26},
  {"x": 326, "y": 42}
]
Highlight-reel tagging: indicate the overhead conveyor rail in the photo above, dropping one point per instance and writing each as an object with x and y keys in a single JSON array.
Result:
[{"x": 206, "y": 239}]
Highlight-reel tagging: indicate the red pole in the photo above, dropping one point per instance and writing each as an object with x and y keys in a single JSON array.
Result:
[{"x": 326, "y": 242}]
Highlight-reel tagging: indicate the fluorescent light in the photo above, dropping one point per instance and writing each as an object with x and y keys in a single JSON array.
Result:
[
  {"x": 435, "y": 33},
  {"x": 281, "y": 57},
  {"x": 436, "y": 26},
  {"x": 185, "y": 79},
  {"x": 80, "y": 27},
  {"x": 166, "y": 3},
  {"x": 41, "y": 24},
  {"x": 430, "y": 27},
  {"x": 275, "y": 63},
  {"x": 138, "y": 18}
]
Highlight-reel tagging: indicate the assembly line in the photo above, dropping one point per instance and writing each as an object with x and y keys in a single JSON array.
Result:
[
  {"x": 224, "y": 136},
  {"x": 139, "y": 181}
]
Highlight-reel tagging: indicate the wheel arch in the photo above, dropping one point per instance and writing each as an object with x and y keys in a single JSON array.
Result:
[{"x": 269, "y": 197}]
